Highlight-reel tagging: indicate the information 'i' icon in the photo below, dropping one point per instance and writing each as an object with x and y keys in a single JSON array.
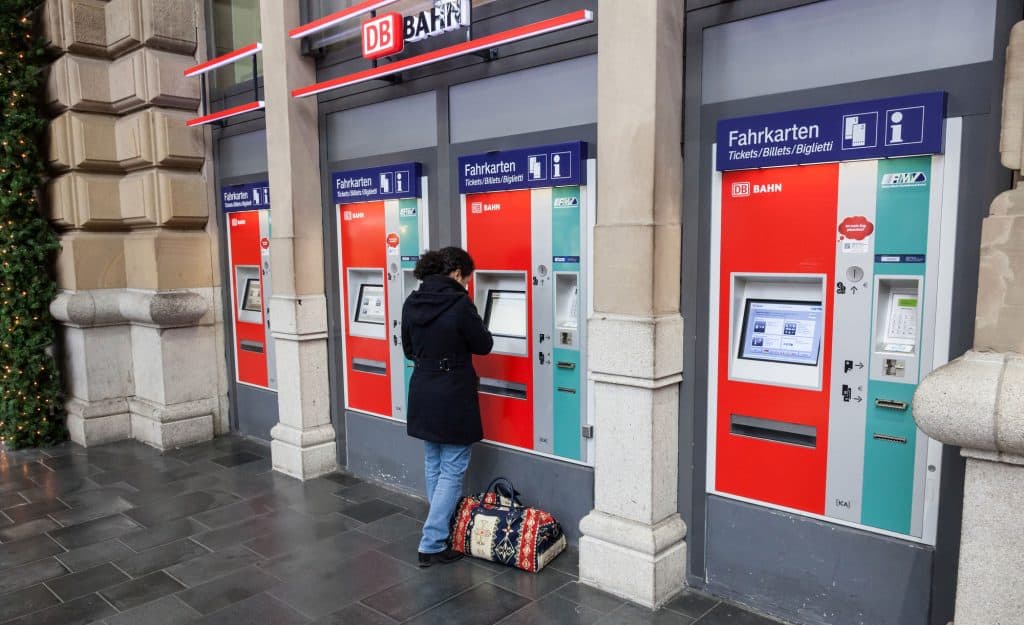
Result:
[{"x": 897, "y": 127}]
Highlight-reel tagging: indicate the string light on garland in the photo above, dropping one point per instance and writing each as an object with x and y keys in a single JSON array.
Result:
[{"x": 30, "y": 389}]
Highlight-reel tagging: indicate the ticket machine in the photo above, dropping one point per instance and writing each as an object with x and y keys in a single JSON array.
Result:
[
  {"x": 382, "y": 230},
  {"x": 525, "y": 223},
  {"x": 829, "y": 289},
  {"x": 247, "y": 208}
]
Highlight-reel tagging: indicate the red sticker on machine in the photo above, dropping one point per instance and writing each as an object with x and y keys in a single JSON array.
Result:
[
  {"x": 857, "y": 228},
  {"x": 265, "y": 243},
  {"x": 393, "y": 239}
]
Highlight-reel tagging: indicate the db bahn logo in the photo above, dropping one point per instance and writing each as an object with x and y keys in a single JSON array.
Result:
[
  {"x": 740, "y": 189},
  {"x": 387, "y": 34}
]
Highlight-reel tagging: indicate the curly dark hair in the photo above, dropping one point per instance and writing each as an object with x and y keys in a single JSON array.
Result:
[{"x": 443, "y": 262}]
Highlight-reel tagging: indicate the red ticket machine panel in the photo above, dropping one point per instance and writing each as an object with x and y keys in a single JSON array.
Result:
[
  {"x": 498, "y": 236},
  {"x": 775, "y": 324},
  {"x": 363, "y": 260},
  {"x": 381, "y": 230},
  {"x": 247, "y": 215}
]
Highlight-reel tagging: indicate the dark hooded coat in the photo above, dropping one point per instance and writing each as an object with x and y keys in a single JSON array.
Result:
[{"x": 441, "y": 329}]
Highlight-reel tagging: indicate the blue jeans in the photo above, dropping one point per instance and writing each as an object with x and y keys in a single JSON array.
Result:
[{"x": 444, "y": 467}]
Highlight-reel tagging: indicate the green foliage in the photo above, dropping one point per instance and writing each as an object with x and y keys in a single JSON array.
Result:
[{"x": 30, "y": 389}]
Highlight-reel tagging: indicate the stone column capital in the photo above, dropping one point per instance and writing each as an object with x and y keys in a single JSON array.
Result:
[
  {"x": 162, "y": 309},
  {"x": 299, "y": 317},
  {"x": 627, "y": 349},
  {"x": 975, "y": 402}
]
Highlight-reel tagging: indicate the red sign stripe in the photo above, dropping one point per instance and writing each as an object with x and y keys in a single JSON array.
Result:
[
  {"x": 226, "y": 113},
  {"x": 338, "y": 17},
  {"x": 224, "y": 59},
  {"x": 508, "y": 36}
]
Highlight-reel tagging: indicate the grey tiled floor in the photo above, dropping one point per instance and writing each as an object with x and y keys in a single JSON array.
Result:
[{"x": 122, "y": 535}]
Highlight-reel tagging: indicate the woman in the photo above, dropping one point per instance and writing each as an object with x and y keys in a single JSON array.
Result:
[{"x": 441, "y": 329}]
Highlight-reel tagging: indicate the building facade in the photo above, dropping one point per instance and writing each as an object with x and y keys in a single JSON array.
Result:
[{"x": 727, "y": 249}]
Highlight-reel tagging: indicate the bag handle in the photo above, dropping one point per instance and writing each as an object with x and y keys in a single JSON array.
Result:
[{"x": 509, "y": 490}]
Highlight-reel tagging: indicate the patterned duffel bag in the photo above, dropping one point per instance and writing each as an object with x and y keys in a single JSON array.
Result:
[{"x": 496, "y": 526}]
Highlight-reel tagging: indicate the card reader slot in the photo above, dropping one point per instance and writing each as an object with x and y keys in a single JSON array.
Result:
[
  {"x": 566, "y": 389},
  {"x": 503, "y": 388},
  {"x": 251, "y": 346},
  {"x": 891, "y": 404},
  {"x": 777, "y": 431},
  {"x": 365, "y": 365},
  {"x": 892, "y": 439},
  {"x": 565, "y": 365}
]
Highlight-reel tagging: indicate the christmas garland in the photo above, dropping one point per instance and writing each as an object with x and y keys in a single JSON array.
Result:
[{"x": 30, "y": 388}]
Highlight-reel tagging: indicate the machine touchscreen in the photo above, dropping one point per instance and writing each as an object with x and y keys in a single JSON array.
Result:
[
  {"x": 782, "y": 331},
  {"x": 505, "y": 314},
  {"x": 370, "y": 306},
  {"x": 251, "y": 300}
]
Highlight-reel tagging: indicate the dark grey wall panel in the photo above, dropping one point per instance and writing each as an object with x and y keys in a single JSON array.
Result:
[
  {"x": 256, "y": 411},
  {"x": 843, "y": 41},
  {"x": 540, "y": 98},
  {"x": 242, "y": 154},
  {"x": 379, "y": 450},
  {"x": 812, "y": 572},
  {"x": 384, "y": 127}
]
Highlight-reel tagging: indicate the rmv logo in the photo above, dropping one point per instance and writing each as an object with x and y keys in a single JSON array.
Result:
[{"x": 905, "y": 179}]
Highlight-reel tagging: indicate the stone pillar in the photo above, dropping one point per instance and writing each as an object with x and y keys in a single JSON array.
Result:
[
  {"x": 303, "y": 441},
  {"x": 977, "y": 401},
  {"x": 633, "y": 540},
  {"x": 130, "y": 201}
]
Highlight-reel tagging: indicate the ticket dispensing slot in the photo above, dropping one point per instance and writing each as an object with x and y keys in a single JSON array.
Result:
[
  {"x": 251, "y": 346},
  {"x": 502, "y": 387},
  {"x": 778, "y": 431},
  {"x": 368, "y": 314}
]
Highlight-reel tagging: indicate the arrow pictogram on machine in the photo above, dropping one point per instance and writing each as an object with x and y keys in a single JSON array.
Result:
[
  {"x": 860, "y": 365},
  {"x": 858, "y": 399}
]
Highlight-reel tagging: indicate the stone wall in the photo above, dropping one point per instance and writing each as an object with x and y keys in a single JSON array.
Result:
[{"x": 130, "y": 200}]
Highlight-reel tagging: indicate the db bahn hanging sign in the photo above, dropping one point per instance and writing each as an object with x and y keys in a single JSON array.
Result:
[{"x": 388, "y": 33}]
